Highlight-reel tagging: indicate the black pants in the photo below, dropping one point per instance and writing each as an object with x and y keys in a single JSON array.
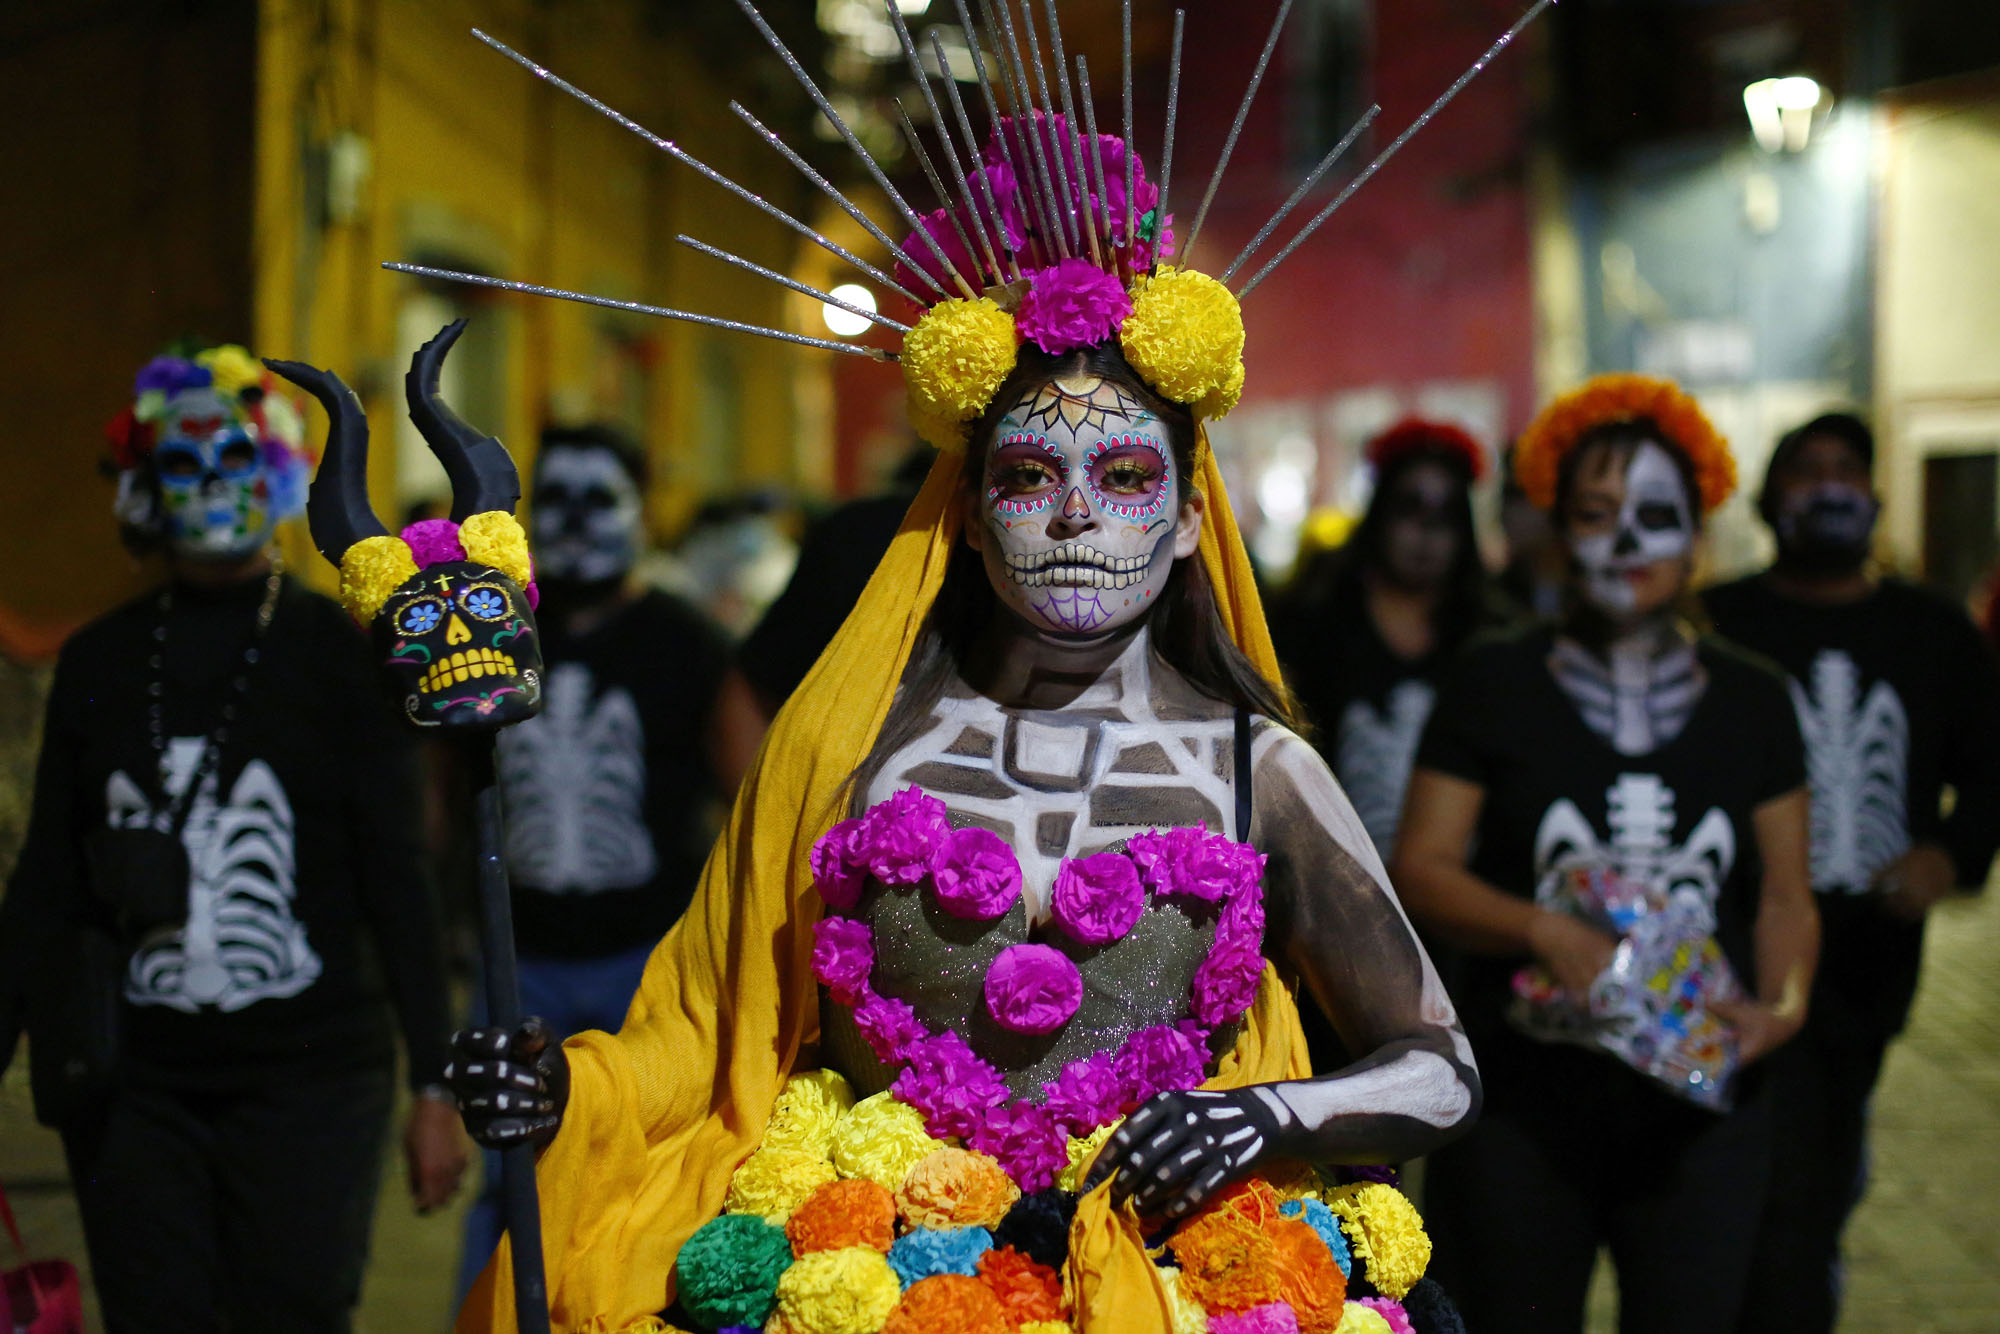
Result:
[
  {"x": 1589, "y": 1154},
  {"x": 1822, "y": 1082},
  {"x": 247, "y": 1211}
]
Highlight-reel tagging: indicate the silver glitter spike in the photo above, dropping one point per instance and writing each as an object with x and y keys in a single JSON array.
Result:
[
  {"x": 1533, "y": 13},
  {"x": 944, "y": 140},
  {"x": 804, "y": 289},
  {"x": 937, "y": 184},
  {"x": 1058, "y": 165},
  {"x": 853, "y": 141},
  {"x": 1026, "y": 125},
  {"x": 1236, "y": 126},
  {"x": 1086, "y": 216},
  {"x": 832, "y": 192},
  {"x": 1010, "y": 148},
  {"x": 1305, "y": 188},
  {"x": 640, "y": 308},
  {"x": 1131, "y": 144},
  {"x": 1167, "y": 152},
  {"x": 687, "y": 159},
  {"x": 1100, "y": 216},
  {"x": 992, "y": 215}
]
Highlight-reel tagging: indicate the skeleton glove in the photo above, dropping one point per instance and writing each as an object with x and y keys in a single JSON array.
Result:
[
  {"x": 1179, "y": 1149},
  {"x": 511, "y": 1087}
]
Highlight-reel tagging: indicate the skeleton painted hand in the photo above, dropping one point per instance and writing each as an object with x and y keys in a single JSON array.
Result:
[
  {"x": 511, "y": 1087},
  {"x": 1179, "y": 1149}
]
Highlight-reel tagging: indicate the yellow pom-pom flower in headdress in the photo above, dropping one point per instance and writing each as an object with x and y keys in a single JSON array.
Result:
[
  {"x": 1621, "y": 398},
  {"x": 953, "y": 363}
]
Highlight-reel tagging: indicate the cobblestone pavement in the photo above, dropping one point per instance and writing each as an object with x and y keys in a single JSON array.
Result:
[{"x": 1924, "y": 1249}]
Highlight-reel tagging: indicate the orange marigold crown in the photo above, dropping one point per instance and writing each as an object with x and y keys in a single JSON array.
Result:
[{"x": 1608, "y": 399}]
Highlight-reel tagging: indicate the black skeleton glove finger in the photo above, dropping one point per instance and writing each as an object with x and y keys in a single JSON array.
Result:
[
  {"x": 1179, "y": 1149},
  {"x": 511, "y": 1088}
]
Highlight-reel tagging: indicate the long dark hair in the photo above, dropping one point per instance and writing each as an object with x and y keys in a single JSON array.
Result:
[{"x": 1187, "y": 628}]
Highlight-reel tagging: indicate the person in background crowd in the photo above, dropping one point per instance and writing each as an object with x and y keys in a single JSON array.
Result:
[
  {"x": 1537, "y": 566},
  {"x": 1897, "y": 698},
  {"x": 611, "y": 791},
  {"x": 1619, "y": 747},
  {"x": 225, "y": 830}
]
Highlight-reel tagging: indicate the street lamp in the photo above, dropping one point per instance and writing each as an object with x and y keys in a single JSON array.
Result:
[
  {"x": 845, "y": 322},
  {"x": 1781, "y": 111}
]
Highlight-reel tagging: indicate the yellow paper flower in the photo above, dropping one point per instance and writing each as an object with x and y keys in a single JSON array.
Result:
[
  {"x": 1385, "y": 1233},
  {"x": 1048, "y": 1327},
  {"x": 371, "y": 570},
  {"x": 956, "y": 1188},
  {"x": 232, "y": 368},
  {"x": 495, "y": 538},
  {"x": 1358, "y": 1319},
  {"x": 807, "y": 1109},
  {"x": 1188, "y": 1317},
  {"x": 1185, "y": 336},
  {"x": 953, "y": 362},
  {"x": 773, "y": 1182},
  {"x": 1081, "y": 1151},
  {"x": 848, "y": 1291},
  {"x": 881, "y": 1138}
]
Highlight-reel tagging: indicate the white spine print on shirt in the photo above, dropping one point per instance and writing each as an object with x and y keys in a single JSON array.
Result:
[
  {"x": 241, "y": 943},
  {"x": 1857, "y": 764},
  {"x": 575, "y": 785},
  {"x": 1639, "y": 809},
  {"x": 1373, "y": 752}
]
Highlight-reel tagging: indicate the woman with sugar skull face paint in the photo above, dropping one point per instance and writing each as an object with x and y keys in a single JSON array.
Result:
[{"x": 1619, "y": 752}]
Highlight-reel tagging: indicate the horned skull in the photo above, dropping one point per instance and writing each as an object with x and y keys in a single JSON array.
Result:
[{"x": 450, "y": 602}]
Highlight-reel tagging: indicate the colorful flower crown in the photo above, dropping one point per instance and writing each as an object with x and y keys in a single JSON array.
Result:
[
  {"x": 1414, "y": 435},
  {"x": 1623, "y": 398}
]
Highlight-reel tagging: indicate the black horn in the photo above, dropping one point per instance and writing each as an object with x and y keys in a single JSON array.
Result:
[
  {"x": 482, "y": 475},
  {"x": 337, "y": 508}
]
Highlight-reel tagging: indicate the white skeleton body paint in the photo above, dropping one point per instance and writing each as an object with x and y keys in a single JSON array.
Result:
[
  {"x": 587, "y": 515},
  {"x": 1655, "y": 523},
  {"x": 1067, "y": 747},
  {"x": 1639, "y": 692}
]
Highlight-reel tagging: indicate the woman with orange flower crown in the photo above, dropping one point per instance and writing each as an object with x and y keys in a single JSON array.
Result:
[
  {"x": 988, "y": 988},
  {"x": 1608, "y": 816}
]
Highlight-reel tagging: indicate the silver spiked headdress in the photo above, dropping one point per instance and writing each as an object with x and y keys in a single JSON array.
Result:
[{"x": 1047, "y": 232}]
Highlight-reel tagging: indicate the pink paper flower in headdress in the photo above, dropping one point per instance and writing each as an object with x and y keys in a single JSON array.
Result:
[
  {"x": 1072, "y": 304},
  {"x": 970, "y": 264}
]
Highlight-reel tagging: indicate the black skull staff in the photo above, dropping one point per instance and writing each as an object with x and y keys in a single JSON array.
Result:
[{"x": 459, "y": 645}]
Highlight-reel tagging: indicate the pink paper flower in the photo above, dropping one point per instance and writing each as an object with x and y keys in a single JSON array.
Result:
[
  {"x": 839, "y": 864},
  {"x": 949, "y": 1084},
  {"x": 1032, "y": 989},
  {"x": 433, "y": 542},
  {"x": 1159, "y": 854},
  {"x": 971, "y": 265},
  {"x": 1027, "y": 1141},
  {"x": 843, "y": 956},
  {"x": 1226, "y": 983},
  {"x": 1270, "y": 1318},
  {"x": 1087, "y": 1094},
  {"x": 1097, "y": 899},
  {"x": 1216, "y": 868},
  {"x": 975, "y": 874},
  {"x": 1071, "y": 304},
  {"x": 1158, "y": 1059},
  {"x": 901, "y": 835},
  {"x": 1390, "y": 1310},
  {"x": 1242, "y": 919},
  {"x": 888, "y": 1025}
]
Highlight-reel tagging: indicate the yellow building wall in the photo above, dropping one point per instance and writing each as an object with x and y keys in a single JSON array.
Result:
[
  {"x": 440, "y": 149},
  {"x": 1938, "y": 300}
]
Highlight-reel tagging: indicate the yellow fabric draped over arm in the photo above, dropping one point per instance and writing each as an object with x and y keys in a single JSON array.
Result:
[{"x": 661, "y": 1113}]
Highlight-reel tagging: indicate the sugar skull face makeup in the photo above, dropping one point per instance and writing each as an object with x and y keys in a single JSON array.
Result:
[
  {"x": 588, "y": 515},
  {"x": 1079, "y": 517},
  {"x": 215, "y": 492},
  {"x": 1631, "y": 531}
]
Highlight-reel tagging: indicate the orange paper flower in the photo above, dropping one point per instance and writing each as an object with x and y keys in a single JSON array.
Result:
[
  {"x": 956, "y": 1188},
  {"x": 1026, "y": 1289},
  {"x": 843, "y": 1213},
  {"x": 1228, "y": 1262},
  {"x": 947, "y": 1302},
  {"x": 1558, "y": 428},
  {"x": 1308, "y": 1279}
]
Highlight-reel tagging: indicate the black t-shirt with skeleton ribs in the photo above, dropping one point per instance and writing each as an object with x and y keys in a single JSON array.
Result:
[
  {"x": 1897, "y": 697},
  {"x": 1556, "y": 793},
  {"x": 307, "y": 885}
]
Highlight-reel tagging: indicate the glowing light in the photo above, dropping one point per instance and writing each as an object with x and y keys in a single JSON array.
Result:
[
  {"x": 1781, "y": 111},
  {"x": 845, "y": 322},
  {"x": 911, "y": 8}
]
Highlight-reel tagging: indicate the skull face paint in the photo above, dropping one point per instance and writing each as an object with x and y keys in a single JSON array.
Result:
[
  {"x": 1079, "y": 520},
  {"x": 1632, "y": 559},
  {"x": 587, "y": 515},
  {"x": 215, "y": 492},
  {"x": 459, "y": 643}
]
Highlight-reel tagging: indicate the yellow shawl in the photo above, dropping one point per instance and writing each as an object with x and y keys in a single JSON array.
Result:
[{"x": 661, "y": 1113}]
